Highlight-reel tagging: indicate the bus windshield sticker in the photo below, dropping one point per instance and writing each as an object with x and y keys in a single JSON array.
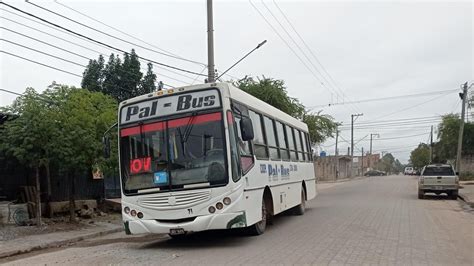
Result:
[
  {"x": 160, "y": 178},
  {"x": 175, "y": 104}
]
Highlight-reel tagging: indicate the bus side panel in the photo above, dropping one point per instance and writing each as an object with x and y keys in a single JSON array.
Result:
[{"x": 252, "y": 202}]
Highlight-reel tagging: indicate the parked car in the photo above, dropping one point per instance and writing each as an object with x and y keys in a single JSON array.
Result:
[
  {"x": 409, "y": 171},
  {"x": 375, "y": 173},
  {"x": 438, "y": 178}
]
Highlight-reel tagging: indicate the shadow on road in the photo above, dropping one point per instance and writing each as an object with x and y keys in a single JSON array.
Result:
[
  {"x": 436, "y": 197},
  {"x": 221, "y": 238}
]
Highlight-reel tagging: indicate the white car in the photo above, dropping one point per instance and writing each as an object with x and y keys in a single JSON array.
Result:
[
  {"x": 409, "y": 171},
  {"x": 438, "y": 178}
]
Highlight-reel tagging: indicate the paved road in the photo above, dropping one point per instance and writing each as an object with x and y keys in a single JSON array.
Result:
[{"x": 377, "y": 220}]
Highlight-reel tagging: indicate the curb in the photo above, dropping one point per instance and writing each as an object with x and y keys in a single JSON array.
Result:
[
  {"x": 342, "y": 180},
  {"x": 59, "y": 243},
  {"x": 465, "y": 198}
]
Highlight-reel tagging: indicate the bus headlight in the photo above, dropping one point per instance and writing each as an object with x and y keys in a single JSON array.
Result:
[
  {"x": 219, "y": 205},
  {"x": 126, "y": 210},
  {"x": 140, "y": 215},
  {"x": 227, "y": 201},
  {"x": 212, "y": 209},
  {"x": 133, "y": 213}
]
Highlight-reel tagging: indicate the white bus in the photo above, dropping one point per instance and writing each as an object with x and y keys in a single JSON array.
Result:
[{"x": 208, "y": 157}]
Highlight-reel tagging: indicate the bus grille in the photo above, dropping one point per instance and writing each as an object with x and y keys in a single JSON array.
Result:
[{"x": 174, "y": 200}]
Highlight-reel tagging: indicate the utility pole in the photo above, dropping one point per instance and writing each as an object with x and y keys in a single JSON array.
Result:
[
  {"x": 463, "y": 96},
  {"x": 210, "y": 43},
  {"x": 336, "y": 153},
  {"x": 431, "y": 145},
  {"x": 362, "y": 162},
  {"x": 371, "y": 135},
  {"x": 352, "y": 139}
]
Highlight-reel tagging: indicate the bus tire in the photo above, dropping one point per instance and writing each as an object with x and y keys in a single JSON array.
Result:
[
  {"x": 259, "y": 227},
  {"x": 300, "y": 209}
]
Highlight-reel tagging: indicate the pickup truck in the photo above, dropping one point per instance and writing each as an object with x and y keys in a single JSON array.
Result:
[{"x": 438, "y": 178}]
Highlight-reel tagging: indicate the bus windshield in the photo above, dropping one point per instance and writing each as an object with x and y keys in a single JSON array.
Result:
[{"x": 175, "y": 154}]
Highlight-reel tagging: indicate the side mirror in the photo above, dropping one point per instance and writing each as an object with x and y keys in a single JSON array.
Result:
[
  {"x": 106, "y": 143},
  {"x": 246, "y": 128}
]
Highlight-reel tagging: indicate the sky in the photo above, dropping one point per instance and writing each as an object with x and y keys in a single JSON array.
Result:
[{"x": 339, "y": 52}]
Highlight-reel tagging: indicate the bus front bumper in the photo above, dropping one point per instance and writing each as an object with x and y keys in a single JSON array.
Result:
[{"x": 200, "y": 223}]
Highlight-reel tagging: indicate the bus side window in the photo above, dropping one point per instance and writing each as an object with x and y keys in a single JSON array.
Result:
[
  {"x": 244, "y": 148},
  {"x": 299, "y": 145},
  {"x": 234, "y": 153},
  {"x": 260, "y": 144},
  {"x": 282, "y": 144},
  {"x": 291, "y": 143}
]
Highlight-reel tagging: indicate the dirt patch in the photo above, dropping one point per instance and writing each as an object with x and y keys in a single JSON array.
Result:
[{"x": 57, "y": 224}]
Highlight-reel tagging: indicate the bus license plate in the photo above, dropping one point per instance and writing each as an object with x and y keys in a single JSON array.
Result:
[{"x": 177, "y": 231}]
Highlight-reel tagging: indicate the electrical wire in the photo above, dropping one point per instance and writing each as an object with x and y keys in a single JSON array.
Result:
[
  {"x": 41, "y": 52},
  {"x": 99, "y": 42},
  {"x": 112, "y": 36},
  {"x": 289, "y": 46},
  {"x": 45, "y": 65},
  {"x": 386, "y": 98},
  {"x": 311, "y": 51},
  {"x": 411, "y": 106},
  {"x": 40, "y": 41},
  {"x": 104, "y": 55},
  {"x": 87, "y": 48}
]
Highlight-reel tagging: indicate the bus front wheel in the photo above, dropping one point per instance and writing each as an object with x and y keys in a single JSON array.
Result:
[{"x": 259, "y": 227}]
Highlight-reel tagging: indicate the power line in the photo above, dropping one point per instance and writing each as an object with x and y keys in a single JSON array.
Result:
[
  {"x": 133, "y": 37},
  {"x": 385, "y": 98},
  {"x": 12, "y": 92},
  {"x": 112, "y": 36},
  {"x": 42, "y": 64},
  {"x": 38, "y": 51},
  {"x": 99, "y": 42},
  {"x": 289, "y": 46},
  {"x": 410, "y": 107},
  {"x": 73, "y": 43},
  {"x": 57, "y": 47},
  {"x": 310, "y": 50},
  {"x": 396, "y": 120}
]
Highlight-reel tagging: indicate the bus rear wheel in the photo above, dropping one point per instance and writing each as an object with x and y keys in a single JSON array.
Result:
[
  {"x": 300, "y": 209},
  {"x": 259, "y": 227}
]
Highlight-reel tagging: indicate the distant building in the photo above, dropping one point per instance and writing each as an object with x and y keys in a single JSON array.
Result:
[{"x": 331, "y": 168}]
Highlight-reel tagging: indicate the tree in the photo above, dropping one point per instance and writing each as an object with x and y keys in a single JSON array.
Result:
[
  {"x": 63, "y": 124},
  {"x": 275, "y": 93},
  {"x": 121, "y": 80},
  {"x": 27, "y": 138},
  {"x": 420, "y": 156},
  {"x": 84, "y": 116},
  {"x": 148, "y": 82},
  {"x": 93, "y": 75},
  {"x": 448, "y": 132},
  {"x": 387, "y": 163},
  {"x": 130, "y": 76}
]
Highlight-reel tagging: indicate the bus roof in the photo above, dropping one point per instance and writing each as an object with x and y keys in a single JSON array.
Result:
[{"x": 228, "y": 91}]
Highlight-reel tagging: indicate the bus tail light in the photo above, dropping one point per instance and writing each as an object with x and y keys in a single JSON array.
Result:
[
  {"x": 219, "y": 205},
  {"x": 126, "y": 210},
  {"x": 140, "y": 215},
  {"x": 212, "y": 209},
  {"x": 227, "y": 201},
  {"x": 133, "y": 213}
]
